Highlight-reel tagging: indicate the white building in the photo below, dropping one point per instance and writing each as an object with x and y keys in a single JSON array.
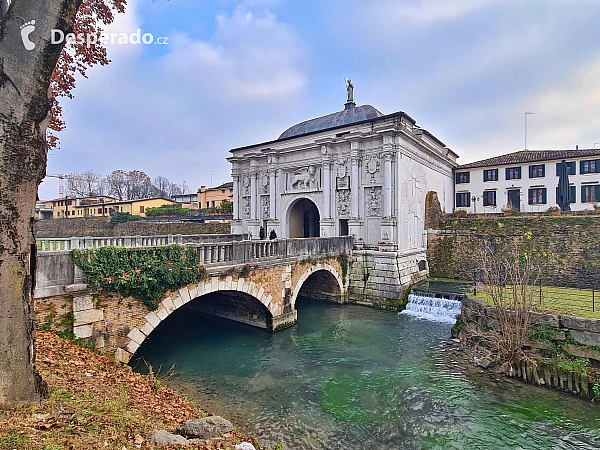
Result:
[
  {"x": 356, "y": 171},
  {"x": 527, "y": 180}
]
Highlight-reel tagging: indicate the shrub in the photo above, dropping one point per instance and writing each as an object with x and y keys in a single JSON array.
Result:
[
  {"x": 146, "y": 274},
  {"x": 167, "y": 210},
  {"x": 122, "y": 217},
  {"x": 245, "y": 271}
]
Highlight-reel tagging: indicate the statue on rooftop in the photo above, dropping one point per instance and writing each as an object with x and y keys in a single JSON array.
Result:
[{"x": 350, "y": 90}]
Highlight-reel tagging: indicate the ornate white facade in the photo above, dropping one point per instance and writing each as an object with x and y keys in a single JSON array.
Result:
[{"x": 355, "y": 172}]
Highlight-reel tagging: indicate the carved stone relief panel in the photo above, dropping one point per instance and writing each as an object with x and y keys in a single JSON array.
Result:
[
  {"x": 245, "y": 185},
  {"x": 372, "y": 166},
  {"x": 373, "y": 200},
  {"x": 303, "y": 179},
  {"x": 343, "y": 202},
  {"x": 342, "y": 176},
  {"x": 247, "y": 208},
  {"x": 264, "y": 182},
  {"x": 265, "y": 207}
]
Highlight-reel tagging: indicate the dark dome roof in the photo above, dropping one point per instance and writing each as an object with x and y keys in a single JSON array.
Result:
[{"x": 345, "y": 117}]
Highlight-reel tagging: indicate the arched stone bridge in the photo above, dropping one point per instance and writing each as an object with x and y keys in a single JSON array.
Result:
[{"x": 254, "y": 282}]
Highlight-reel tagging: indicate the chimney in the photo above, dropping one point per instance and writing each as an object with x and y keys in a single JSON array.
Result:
[{"x": 577, "y": 147}]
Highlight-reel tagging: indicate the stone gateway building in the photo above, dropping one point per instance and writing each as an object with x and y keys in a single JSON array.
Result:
[{"x": 354, "y": 172}]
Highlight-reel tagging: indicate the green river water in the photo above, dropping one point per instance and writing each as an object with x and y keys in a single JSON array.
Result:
[{"x": 352, "y": 377}]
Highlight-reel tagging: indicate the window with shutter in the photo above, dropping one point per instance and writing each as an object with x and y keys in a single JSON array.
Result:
[
  {"x": 590, "y": 194},
  {"x": 592, "y": 166},
  {"x": 490, "y": 175},
  {"x": 489, "y": 198},
  {"x": 513, "y": 173},
  {"x": 537, "y": 171},
  {"x": 537, "y": 196},
  {"x": 463, "y": 177},
  {"x": 463, "y": 199}
]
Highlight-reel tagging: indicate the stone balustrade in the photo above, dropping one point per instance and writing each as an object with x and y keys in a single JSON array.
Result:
[{"x": 65, "y": 244}]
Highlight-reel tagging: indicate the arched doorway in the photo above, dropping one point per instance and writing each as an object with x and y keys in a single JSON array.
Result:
[{"x": 304, "y": 219}]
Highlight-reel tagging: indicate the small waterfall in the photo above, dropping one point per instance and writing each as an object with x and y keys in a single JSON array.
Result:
[{"x": 433, "y": 306}]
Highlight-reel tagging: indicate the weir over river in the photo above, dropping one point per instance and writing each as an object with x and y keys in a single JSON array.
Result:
[{"x": 353, "y": 377}]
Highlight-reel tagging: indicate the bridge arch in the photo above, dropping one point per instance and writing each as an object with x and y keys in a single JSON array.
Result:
[
  {"x": 325, "y": 273},
  {"x": 168, "y": 305}
]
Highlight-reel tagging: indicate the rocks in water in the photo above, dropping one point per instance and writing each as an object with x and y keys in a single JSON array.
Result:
[
  {"x": 163, "y": 438},
  {"x": 206, "y": 428},
  {"x": 245, "y": 446}
]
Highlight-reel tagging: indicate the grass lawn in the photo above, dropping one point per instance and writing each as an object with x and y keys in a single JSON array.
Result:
[{"x": 565, "y": 301}]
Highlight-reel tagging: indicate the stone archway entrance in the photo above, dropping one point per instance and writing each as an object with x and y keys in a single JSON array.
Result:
[{"x": 304, "y": 219}]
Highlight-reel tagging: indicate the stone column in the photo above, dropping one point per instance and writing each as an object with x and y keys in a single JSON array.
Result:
[
  {"x": 355, "y": 223},
  {"x": 236, "y": 197},
  {"x": 273, "y": 222},
  {"x": 254, "y": 196},
  {"x": 272, "y": 186},
  {"x": 327, "y": 189},
  {"x": 354, "y": 182},
  {"x": 327, "y": 222},
  {"x": 254, "y": 221},
  {"x": 388, "y": 221},
  {"x": 387, "y": 185}
]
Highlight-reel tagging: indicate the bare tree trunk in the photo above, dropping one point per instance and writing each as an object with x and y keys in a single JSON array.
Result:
[{"x": 24, "y": 115}]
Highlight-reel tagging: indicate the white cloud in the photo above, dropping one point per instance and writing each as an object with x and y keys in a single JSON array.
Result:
[
  {"x": 428, "y": 11},
  {"x": 252, "y": 57},
  {"x": 178, "y": 114},
  {"x": 566, "y": 115}
]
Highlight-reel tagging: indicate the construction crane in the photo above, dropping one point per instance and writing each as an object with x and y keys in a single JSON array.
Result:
[{"x": 61, "y": 181}]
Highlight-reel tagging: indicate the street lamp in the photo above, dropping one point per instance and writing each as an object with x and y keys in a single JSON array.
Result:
[{"x": 526, "y": 128}]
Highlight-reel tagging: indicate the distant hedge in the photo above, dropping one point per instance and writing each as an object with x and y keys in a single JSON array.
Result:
[{"x": 167, "y": 210}]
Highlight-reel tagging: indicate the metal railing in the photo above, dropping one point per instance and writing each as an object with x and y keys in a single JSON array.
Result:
[{"x": 560, "y": 296}]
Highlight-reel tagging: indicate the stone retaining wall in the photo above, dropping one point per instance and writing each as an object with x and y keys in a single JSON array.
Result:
[
  {"x": 380, "y": 278},
  {"x": 572, "y": 244},
  {"x": 574, "y": 337}
]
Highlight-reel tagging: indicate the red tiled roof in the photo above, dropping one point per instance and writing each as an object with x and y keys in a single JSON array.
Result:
[{"x": 529, "y": 156}]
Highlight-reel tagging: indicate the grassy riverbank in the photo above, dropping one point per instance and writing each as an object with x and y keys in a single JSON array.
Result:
[
  {"x": 560, "y": 301},
  {"x": 93, "y": 403}
]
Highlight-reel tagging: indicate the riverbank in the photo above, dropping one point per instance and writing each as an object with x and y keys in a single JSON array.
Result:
[
  {"x": 560, "y": 351},
  {"x": 94, "y": 402}
]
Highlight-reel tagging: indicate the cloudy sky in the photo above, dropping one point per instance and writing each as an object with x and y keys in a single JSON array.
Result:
[{"x": 239, "y": 72}]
